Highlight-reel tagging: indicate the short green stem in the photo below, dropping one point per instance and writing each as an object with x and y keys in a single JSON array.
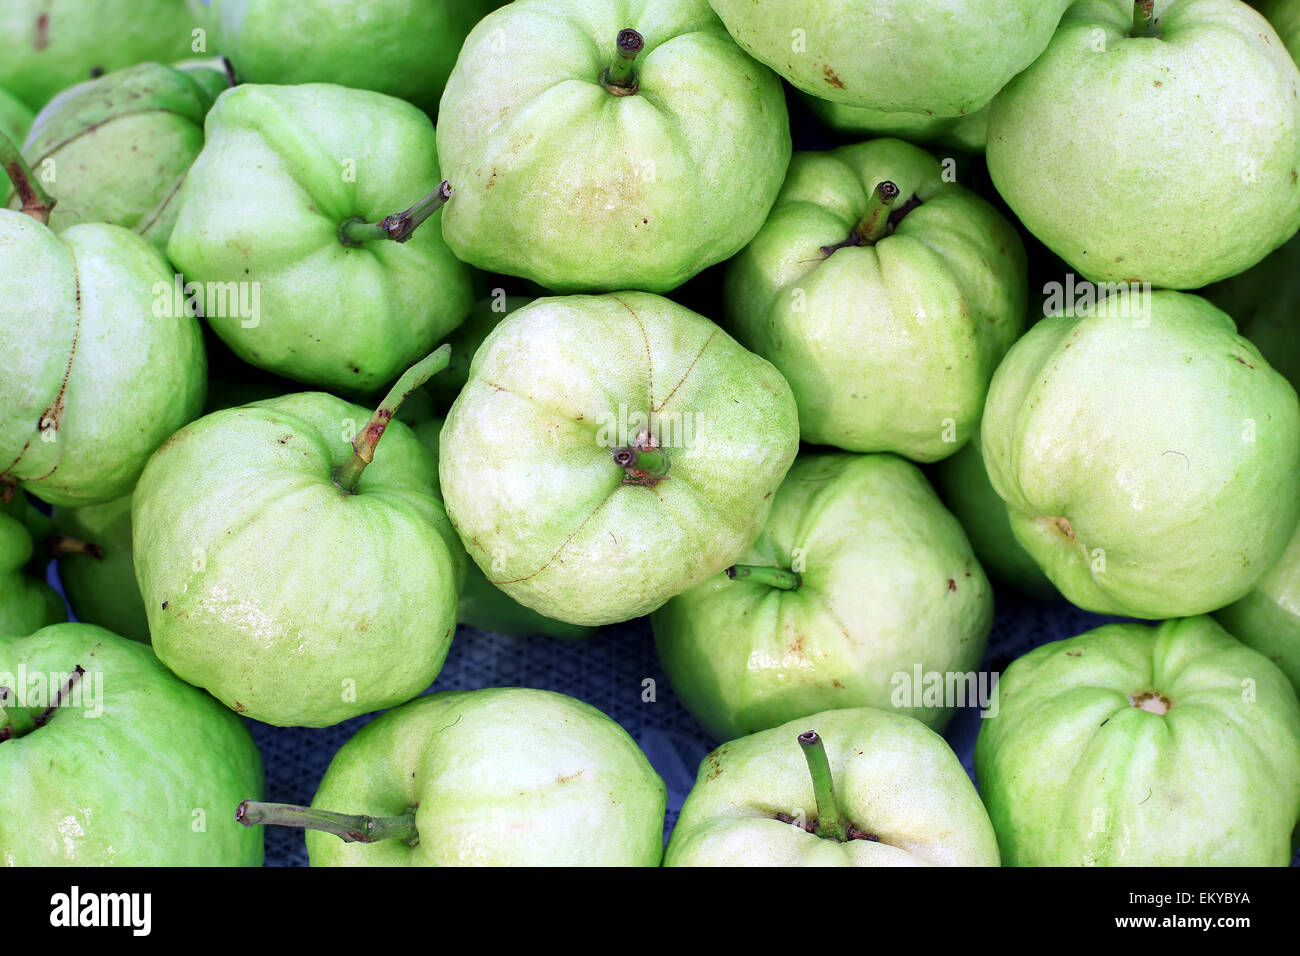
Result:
[
  {"x": 875, "y": 224},
  {"x": 642, "y": 462},
  {"x": 37, "y": 203},
  {"x": 761, "y": 574},
  {"x": 830, "y": 822},
  {"x": 400, "y": 225},
  {"x": 619, "y": 79},
  {"x": 348, "y": 476},
  {"x": 350, "y": 828},
  {"x": 1143, "y": 18}
]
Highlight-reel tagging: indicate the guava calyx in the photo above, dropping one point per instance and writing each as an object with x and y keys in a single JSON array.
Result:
[
  {"x": 643, "y": 464},
  {"x": 1153, "y": 702}
]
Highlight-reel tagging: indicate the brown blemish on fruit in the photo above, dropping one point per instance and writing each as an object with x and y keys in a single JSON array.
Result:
[
  {"x": 1074, "y": 653},
  {"x": 42, "y": 38},
  {"x": 952, "y": 585},
  {"x": 240, "y": 708},
  {"x": 832, "y": 78},
  {"x": 566, "y": 777},
  {"x": 1243, "y": 361},
  {"x": 166, "y": 604}
]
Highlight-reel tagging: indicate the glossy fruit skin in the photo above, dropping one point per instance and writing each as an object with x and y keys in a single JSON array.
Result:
[
  {"x": 967, "y": 133},
  {"x": 561, "y": 182},
  {"x": 151, "y": 781},
  {"x": 111, "y": 373},
  {"x": 888, "y": 582},
  {"x": 120, "y": 145},
  {"x": 1075, "y": 773},
  {"x": 1178, "y": 481},
  {"x": 888, "y": 347},
  {"x": 1268, "y": 618},
  {"x": 963, "y": 484},
  {"x": 288, "y": 599},
  {"x": 882, "y": 56},
  {"x": 895, "y": 779},
  {"x": 402, "y": 48},
  {"x": 504, "y": 776},
  {"x": 27, "y": 603},
  {"x": 102, "y": 590},
  {"x": 46, "y": 47},
  {"x": 527, "y": 466},
  {"x": 263, "y": 204},
  {"x": 1183, "y": 186}
]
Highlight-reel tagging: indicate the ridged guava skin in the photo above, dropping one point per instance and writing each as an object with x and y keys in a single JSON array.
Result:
[
  {"x": 152, "y": 781},
  {"x": 504, "y": 776},
  {"x": 1171, "y": 161},
  {"x": 120, "y": 145},
  {"x": 1151, "y": 464},
  {"x": 937, "y": 57},
  {"x": 263, "y": 203},
  {"x": 285, "y": 597},
  {"x": 963, "y": 484},
  {"x": 895, "y": 778},
  {"x": 562, "y": 182},
  {"x": 888, "y": 347},
  {"x": 47, "y": 46},
  {"x": 1268, "y": 618},
  {"x": 404, "y": 48},
  {"x": 101, "y": 587},
  {"x": 1130, "y": 745},
  {"x": 527, "y": 454},
  {"x": 888, "y": 582},
  {"x": 92, "y": 378}
]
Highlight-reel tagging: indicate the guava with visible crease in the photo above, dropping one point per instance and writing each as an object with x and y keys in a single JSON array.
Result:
[
  {"x": 1130, "y": 745},
  {"x": 1148, "y": 455},
  {"x": 595, "y": 147},
  {"x": 1161, "y": 148},
  {"x": 609, "y": 452},
  {"x": 117, "y": 148},
  {"x": 502, "y": 776},
  {"x": 295, "y": 565},
  {"x": 123, "y": 764},
  {"x": 93, "y": 376},
  {"x": 859, "y": 576},
  {"x": 851, "y": 787},
  {"x": 886, "y": 294},
  {"x": 325, "y": 223}
]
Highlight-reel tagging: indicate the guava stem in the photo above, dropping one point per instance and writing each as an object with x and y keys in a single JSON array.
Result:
[
  {"x": 642, "y": 462},
  {"x": 875, "y": 224},
  {"x": 59, "y": 545},
  {"x": 348, "y": 476},
  {"x": 350, "y": 828},
  {"x": 830, "y": 822},
  {"x": 1143, "y": 12},
  {"x": 400, "y": 225},
  {"x": 44, "y": 716},
  {"x": 772, "y": 577},
  {"x": 37, "y": 203},
  {"x": 619, "y": 78}
]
